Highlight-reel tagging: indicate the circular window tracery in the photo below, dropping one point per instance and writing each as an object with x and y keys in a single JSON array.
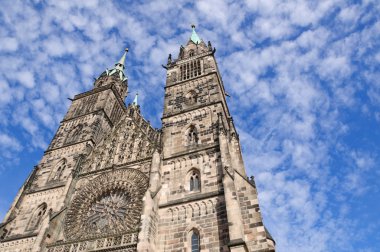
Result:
[{"x": 107, "y": 205}]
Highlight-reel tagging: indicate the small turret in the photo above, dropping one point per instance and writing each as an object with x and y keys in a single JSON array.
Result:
[
  {"x": 115, "y": 76},
  {"x": 135, "y": 100}
]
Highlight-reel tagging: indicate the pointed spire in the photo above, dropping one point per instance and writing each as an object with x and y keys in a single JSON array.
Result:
[
  {"x": 120, "y": 65},
  {"x": 119, "y": 68},
  {"x": 194, "y": 36},
  {"x": 135, "y": 100}
]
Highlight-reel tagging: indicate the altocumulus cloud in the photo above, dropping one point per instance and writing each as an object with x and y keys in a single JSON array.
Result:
[{"x": 303, "y": 78}]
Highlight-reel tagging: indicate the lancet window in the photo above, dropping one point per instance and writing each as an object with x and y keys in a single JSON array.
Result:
[
  {"x": 36, "y": 218},
  {"x": 74, "y": 134},
  {"x": 194, "y": 180},
  {"x": 195, "y": 241},
  {"x": 192, "y": 135},
  {"x": 58, "y": 171}
]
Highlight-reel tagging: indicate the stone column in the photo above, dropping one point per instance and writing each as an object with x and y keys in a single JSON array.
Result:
[
  {"x": 236, "y": 157},
  {"x": 235, "y": 221},
  {"x": 145, "y": 242}
]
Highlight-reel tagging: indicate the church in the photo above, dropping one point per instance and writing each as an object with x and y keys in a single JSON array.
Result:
[{"x": 109, "y": 181}]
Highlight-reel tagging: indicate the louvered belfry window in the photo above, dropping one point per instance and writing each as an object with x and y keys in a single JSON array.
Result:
[{"x": 190, "y": 69}]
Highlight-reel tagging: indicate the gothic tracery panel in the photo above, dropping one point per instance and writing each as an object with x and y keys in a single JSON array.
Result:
[{"x": 107, "y": 205}]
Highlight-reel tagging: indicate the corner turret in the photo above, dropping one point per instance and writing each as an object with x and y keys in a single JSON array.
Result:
[{"x": 115, "y": 76}]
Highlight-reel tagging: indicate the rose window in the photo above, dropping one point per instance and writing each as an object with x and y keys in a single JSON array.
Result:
[{"x": 110, "y": 204}]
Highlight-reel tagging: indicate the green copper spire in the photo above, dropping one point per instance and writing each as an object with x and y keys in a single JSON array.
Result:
[
  {"x": 120, "y": 65},
  {"x": 194, "y": 36},
  {"x": 135, "y": 100}
]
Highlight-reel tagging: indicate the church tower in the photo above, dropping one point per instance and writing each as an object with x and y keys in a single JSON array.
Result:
[{"x": 110, "y": 182}]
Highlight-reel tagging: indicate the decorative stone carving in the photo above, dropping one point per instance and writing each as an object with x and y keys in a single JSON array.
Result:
[
  {"x": 130, "y": 141},
  {"x": 110, "y": 204}
]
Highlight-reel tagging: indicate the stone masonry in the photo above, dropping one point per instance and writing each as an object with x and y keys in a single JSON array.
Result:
[{"x": 110, "y": 182}]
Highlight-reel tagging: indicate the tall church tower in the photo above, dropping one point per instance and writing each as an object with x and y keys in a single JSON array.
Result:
[{"x": 110, "y": 182}]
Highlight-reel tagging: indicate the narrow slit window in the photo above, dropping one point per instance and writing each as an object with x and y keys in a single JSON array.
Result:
[{"x": 195, "y": 242}]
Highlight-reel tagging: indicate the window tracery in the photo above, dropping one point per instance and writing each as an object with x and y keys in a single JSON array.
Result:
[
  {"x": 113, "y": 207},
  {"x": 194, "y": 181},
  {"x": 36, "y": 218},
  {"x": 74, "y": 134},
  {"x": 192, "y": 135},
  {"x": 58, "y": 171},
  {"x": 190, "y": 69}
]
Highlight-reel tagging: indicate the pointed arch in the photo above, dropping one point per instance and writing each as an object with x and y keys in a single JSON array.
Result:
[
  {"x": 58, "y": 170},
  {"x": 193, "y": 179},
  {"x": 74, "y": 134},
  {"x": 36, "y": 217},
  {"x": 194, "y": 239},
  {"x": 192, "y": 135}
]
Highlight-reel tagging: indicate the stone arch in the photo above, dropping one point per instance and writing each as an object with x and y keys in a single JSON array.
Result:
[
  {"x": 192, "y": 229},
  {"x": 191, "y": 135},
  {"x": 177, "y": 212},
  {"x": 211, "y": 204},
  {"x": 197, "y": 208},
  {"x": 191, "y": 210},
  {"x": 74, "y": 134},
  {"x": 204, "y": 206},
  {"x": 36, "y": 217},
  {"x": 58, "y": 170},
  {"x": 171, "y": 214},
  {"x": 184, "y": 211},
  {"x": 193, "y": 180}
]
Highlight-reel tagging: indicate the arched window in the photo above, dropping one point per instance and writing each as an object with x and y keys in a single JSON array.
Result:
[
  {"x": 191, "y": 97},
  {"x": 192, "y": 135},
  {"x": 195, "y": 241},
  {"x": 37, "y": 217},
  {"x": 194, "y": 181},
  {"x": 191, "y": 53},
  {"x": 74, "y": 134},
  {"x": 60, "y": 167}
]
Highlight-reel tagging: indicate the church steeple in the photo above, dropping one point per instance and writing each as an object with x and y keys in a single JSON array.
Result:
[
  {"x": 194, "y": 36},
  {"x": 115, "y": 76},
  {"x": 119, "y": 67}
]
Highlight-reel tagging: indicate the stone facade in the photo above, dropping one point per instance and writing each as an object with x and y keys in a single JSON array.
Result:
[{"x": 110, "y": 182}]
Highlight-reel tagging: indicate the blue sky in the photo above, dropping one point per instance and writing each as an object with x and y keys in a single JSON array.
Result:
[{"x": 303, "y": 77}]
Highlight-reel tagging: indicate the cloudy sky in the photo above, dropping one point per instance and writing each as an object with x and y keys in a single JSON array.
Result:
[{"x": 303, "y": 77}]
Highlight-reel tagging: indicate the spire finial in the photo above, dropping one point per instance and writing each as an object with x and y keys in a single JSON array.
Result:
[
  {"x": 120, "y": 65},
  {"x": 135, "y": 100},
  {"x": 193, "y": 26}
]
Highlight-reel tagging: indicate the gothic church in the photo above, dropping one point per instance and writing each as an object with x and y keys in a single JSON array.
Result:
[{"x": 110, "y": 182}]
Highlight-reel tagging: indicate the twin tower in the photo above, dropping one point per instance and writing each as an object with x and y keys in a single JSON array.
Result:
[{"x": 110, "y": 182}]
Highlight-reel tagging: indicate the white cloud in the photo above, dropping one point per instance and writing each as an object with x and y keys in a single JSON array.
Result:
[
  {"x": 8, "y": 142},
  {"x": 8, "y": 44},
  {"x": 26, "y": 78},
  {"x": 287, "y": 66}
]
